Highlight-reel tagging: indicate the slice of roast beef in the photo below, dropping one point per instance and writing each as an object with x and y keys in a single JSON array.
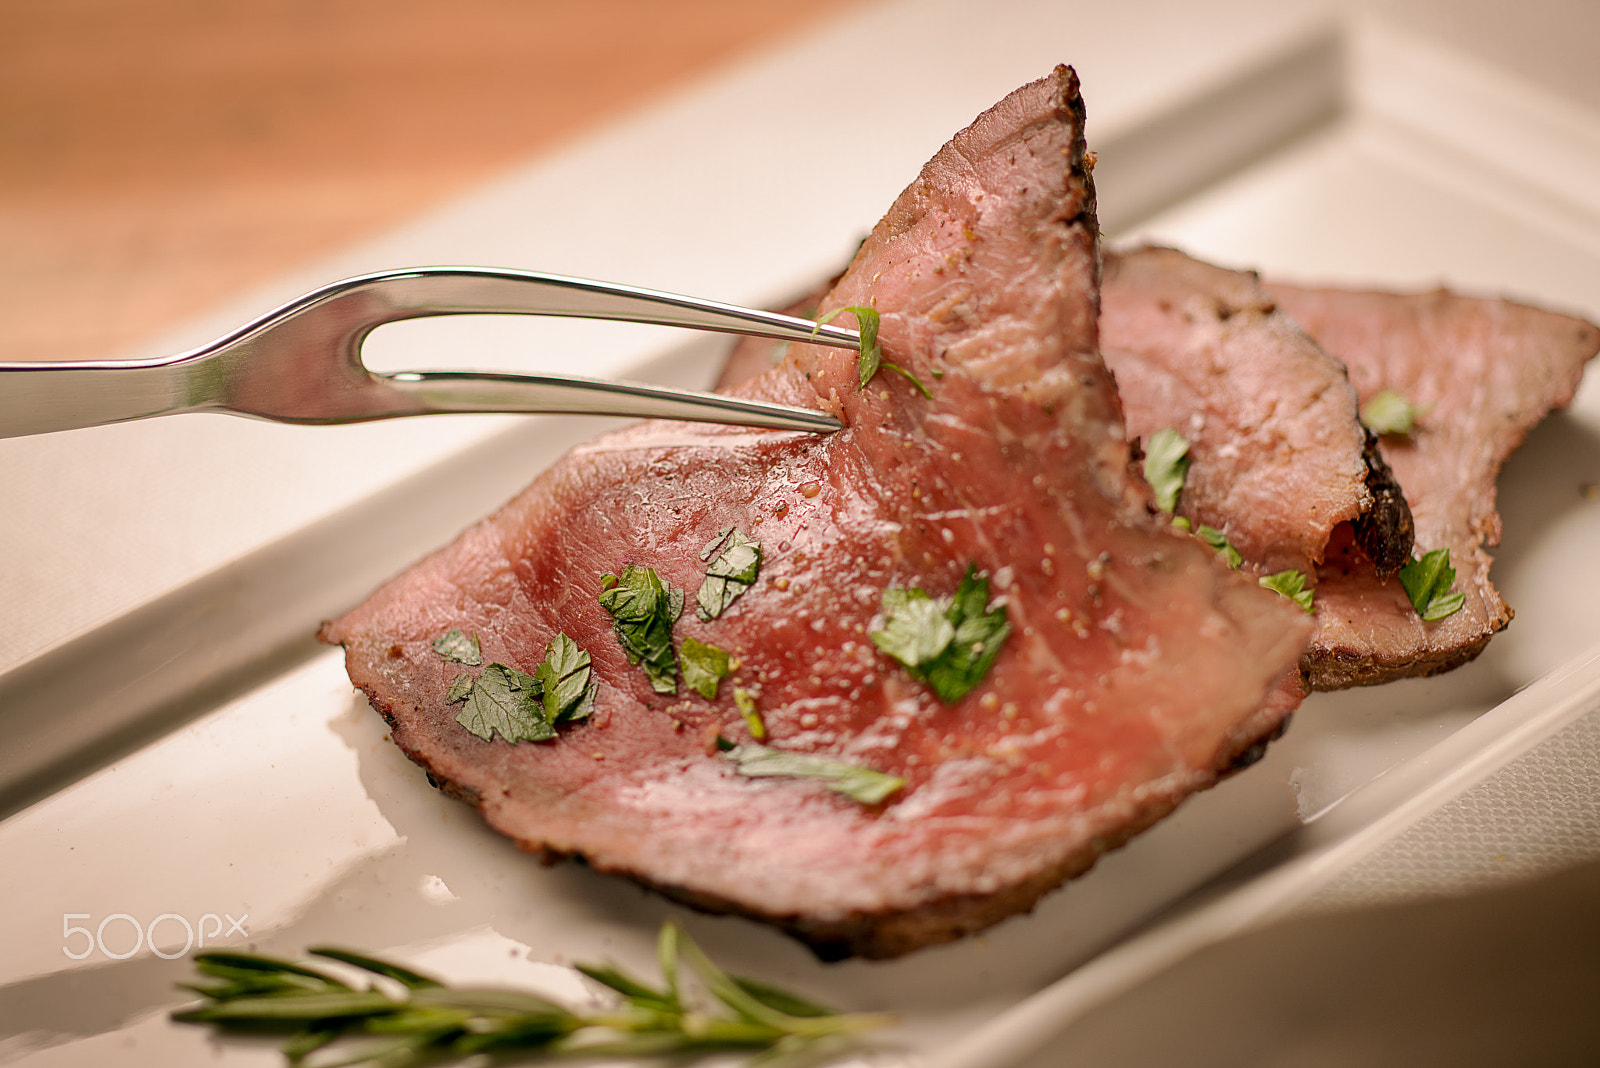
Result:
[
  {"x": 1278, "y": 456},
  {"x": 1138, "y": 667},
  {"x": 1485, "y": 372}
]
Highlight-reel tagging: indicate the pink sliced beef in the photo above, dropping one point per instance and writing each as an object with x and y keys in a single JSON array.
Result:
[
  {"x": 1139, "y": 668},
  {"x": 1278, "y": 454},
  {"x": 1486, "y": 371}
]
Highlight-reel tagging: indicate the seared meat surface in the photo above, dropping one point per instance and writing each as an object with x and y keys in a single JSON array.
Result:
[
  {"x": 1483, "y": 372},
  {"x": 1138, "y": 667}
]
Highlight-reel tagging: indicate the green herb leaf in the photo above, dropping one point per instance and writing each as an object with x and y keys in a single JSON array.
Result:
[
  {"x": 1219, "y": 541},
  {"x": 1389, "y": 412},
  {"x": 638, "y": 994},
  {"x": 915, "y": 628},
  {"x": 643, "y": 609},
  {"x": 506, "y": 700},
  {"x": 302, "y": 1007},
  {"x": 704, "y": 667},
  {"x": 860, "y": 784},
  {"x": 454, "y": 645},
  {"x": 711, "y": 546},
  {"x": 563, "y": 677},
  {"x": 1427, "y": 582},
  {"x": 867, "y": 322},
  {"x": 909, "y": 377},
  {"x": 460, "y": 689},
  {"x": 428, "y": 1023},
  {"x": 1166, "y": 464},
  {"x": 781, "y": 1000},
  {"x": 732, "y": 573},
  {"x": 950, "y": 644},
  {"x": 1290, "y": 583},
  {"x": 387, "y": 969},
  {"x": 745, "y": 702}
]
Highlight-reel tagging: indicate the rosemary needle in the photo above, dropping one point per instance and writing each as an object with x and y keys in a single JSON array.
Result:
[{"x": 416, "y": 1018}]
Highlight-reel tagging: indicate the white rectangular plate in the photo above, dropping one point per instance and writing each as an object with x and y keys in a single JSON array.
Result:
[{"x": 266, "y": 798}]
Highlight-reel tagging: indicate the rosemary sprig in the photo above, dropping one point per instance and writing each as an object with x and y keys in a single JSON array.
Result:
[{"x": 414, "y": 1018}]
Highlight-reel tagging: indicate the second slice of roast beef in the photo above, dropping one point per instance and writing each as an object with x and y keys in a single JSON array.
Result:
[
  {"x": 1279, "y": 459},
  {"x": 1139, "y": 668},
  {"x": 1483, "y": 373}
]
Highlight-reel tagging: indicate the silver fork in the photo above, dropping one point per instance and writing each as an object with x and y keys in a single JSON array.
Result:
[{"x": 302, "y": 362}]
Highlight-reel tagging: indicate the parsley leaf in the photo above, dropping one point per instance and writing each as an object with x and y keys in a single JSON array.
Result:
[
  {"x": 506, "y": 700},
  {"x": 948, "y": 643},
  {"x": 454, "y": 645},
  {"x": 915, "y": 627},
  {"x": 704, "y": 667},
  {"x": 460, "y": 688},
  {"x": 1427, "y": 582},
  {"x": 712, "y": 545},
  {"x": 1290, "y": 583},
  {"x": 1166, "y": 463},
  {"x": 871, "y": 353},
  {"x": 746, "y": 703},
  {"x": 643, "y": 609},
  {"x": 730, "y": 574},
  {"x": 1389, "y": 412},
  {"x": 564, "y": 677},
  {"x": 1219, "y": 541},
  {"x": 909, "y": 377},
  {"x": 857, "y": 783}
]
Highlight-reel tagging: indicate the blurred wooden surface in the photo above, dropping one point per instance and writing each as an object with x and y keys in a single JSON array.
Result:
[{"x": 158, "y": 155}]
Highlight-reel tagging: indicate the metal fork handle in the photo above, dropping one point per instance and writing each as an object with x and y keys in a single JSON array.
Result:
[{"x": 236, "y": 372}]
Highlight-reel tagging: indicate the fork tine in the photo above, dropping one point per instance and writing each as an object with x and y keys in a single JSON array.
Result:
[
  {"x": 444, "y": 392},
  {"x": 467, "y": 290},
  {"x": 301, "y": 362}
]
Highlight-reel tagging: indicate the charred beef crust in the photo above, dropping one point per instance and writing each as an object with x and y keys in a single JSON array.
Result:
[{"x": 1387, "y": 532}]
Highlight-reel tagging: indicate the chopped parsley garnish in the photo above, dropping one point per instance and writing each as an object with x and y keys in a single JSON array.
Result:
[
  {"x": 643, "y": 609},
  {"x": 712, "y": 545},
  {"x": 949, "y": 643},
  {"x": 1214, "y": 538},
  {"x": 857, "y": 783},
  {"x": 1389, "y": 412},
  {"x": 745, "y": 701},
  {"x": 506, "y": 700},
  {"x": 909, "y": 377},
  {"x": 704, "y": 667},
  {"x": 456, "y": 646},
  {"x": 563, "y": 676},
  {"x": 867, "y": 321},
  {"x": 1427, "y": 582},
  {"x": 1219, "y": 541},
  {"x": 729, "y": 575},
  {"x": 867, "y": 325},
  {"x": 1290, "y": 583},
  {"x": 523, "y": 707},
  {"x": 1166, "y": 463},
  {"x": 459, "y": 689}
]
